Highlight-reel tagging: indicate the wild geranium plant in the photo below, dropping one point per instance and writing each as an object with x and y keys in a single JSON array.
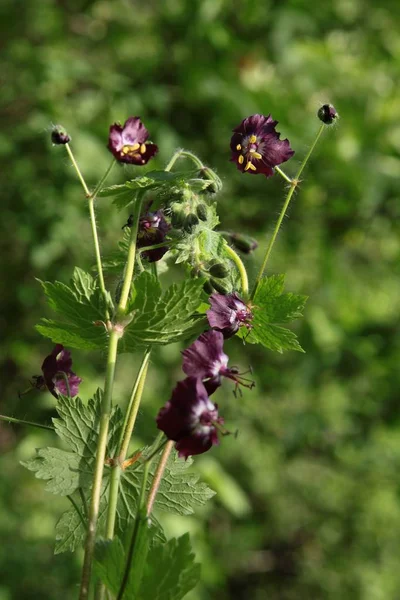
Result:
[{"x": 114, "y": 488}]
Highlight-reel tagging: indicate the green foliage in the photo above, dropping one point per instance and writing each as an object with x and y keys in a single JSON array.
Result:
[
  {"x": 170, "y": 571},
  {"x": 82, "y": 304},
  {"x": 161, "y": 318},
  {"x": 272, "y": 306}
]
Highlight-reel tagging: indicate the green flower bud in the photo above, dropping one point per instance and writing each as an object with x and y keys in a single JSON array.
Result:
[
  {"x": 244, "y": 243},
  {"x": 202, "y": 212},
  {"x": 208, "y": 288},
  {"x": 190, "y": 221},
  {"x": 222, "y": 288},
  {"x": 219, "y": 270}
]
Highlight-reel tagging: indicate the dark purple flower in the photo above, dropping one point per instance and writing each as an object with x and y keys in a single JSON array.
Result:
[
  {"x": 190, "y": 418},
  {"x": 129, "y": 143},
  {"x": 256, "y": 147},
  {"x": 327, "y": 114},
  {"x": 228, "y": 313},
  {"x": 206, "y": 359},
  {"x": 59, "y": 135},
  {"x": 56, "y": 369},
  {"x": 153, "y": 229}
]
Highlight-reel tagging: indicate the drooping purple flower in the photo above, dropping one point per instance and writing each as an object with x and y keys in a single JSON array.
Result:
[
  {"x": 129, "y": 143},
  {"x": 256, "y": 147},
  {"x": 190, "y": 418},
  {"x": 153, "y": 229},
  {"x": 59, "y": 135},
  {"x": 56, "y": 369},
  {"x": 205, "y": 359},
  {"x": 228, "y": 313}
]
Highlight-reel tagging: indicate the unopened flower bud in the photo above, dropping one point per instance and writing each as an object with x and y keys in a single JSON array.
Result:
[
  {"x": 202, "y": 212},
  {"x": 59, "y": 135},
  {"x": 208, "y": 288},
  {"x": 327, "y": 114},
  {"x": 190, "y": 221},
  {"x": 220, "y": 287},
  {"x": 219, "y": 270},
  {"x": 244, "y": 243}
]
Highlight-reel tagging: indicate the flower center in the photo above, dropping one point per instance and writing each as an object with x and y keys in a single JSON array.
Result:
[
  {"x": 249, "y": 151},
  {"x": 132, "y": 150}
]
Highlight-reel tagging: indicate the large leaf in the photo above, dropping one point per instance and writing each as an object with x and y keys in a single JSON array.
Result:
[
  {"x": 161, "y": 318},
  {"x": 83, "y": 306}
]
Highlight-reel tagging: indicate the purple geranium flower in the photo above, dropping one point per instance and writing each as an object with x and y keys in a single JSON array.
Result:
[
  {"x": 129, "y": 143},
  {"x": 152, "y": 230},
  {"x": 190, "y": 418},
  {"x": 256, "y": 147},
  {"x": 56, "y": 369},
  {"x": 228, "y": 313},
  {"x": 206, "y": 360}
]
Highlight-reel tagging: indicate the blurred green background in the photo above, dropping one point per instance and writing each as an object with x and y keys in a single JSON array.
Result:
[{"x": 308, "y": 503}]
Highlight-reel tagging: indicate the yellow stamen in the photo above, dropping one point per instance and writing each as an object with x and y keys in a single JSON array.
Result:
[
  {"x": 142, "y": 148},
  {"x": 253, "y": 139},
  {"x": 238, "y": 147},
  {"x": 257, "y": 155},
  {"x": 241, "y": 159},
  {"x": 252, "y": 167},
  {"x": 248, "y": 166},
  {"x": 134, "y": 147}
]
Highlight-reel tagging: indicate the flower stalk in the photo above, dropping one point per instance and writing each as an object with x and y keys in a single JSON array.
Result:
[{"x": 293, "y": 184}]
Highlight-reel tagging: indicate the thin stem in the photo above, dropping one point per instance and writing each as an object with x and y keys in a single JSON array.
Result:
[
  {"x": 133, "y": 406},
  {"x": 77, "y": 169},
  {"x": 130, "y": 261},
  {"x": 184, "y": 154},
  {"x": 78, "y": 510},
  {"x": 158, "y": 476},
  {"x": 126, "y": 435},
  {"x": 102, "y": 180},
  {"x": 100, "y": 457},
  {"x": 283, "y": 174},
  {"x": 97, "y": 252},
  {"x": 23, "y": 422},
  {"x": 138, "y": 523},
  {"x": 156, "y": 451},
  {"x": 241, "y": 268},
  {"x": 293, "y": 184}
]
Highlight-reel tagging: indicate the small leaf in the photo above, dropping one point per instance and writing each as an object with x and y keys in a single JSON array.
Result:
[
  {"x": 60, "y": 469},
  {"x": 271, "y": 307},
  {"x": 70, "y": 532},
  {"x": 170, "y": 571}
]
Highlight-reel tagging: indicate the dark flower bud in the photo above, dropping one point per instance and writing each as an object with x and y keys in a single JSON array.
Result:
[
  {"x": 190, "y": 221},
  {"x": 327, "y": 114},
  {"x": 219, "y": 270},
  {"x": 58, "y": 376},
  {"x": 59, "y": 135},
  {"x": 207, "y": 287},
  {"x": 202, "y": 212},
  {"x": 244, "y": 243},
  {"x": 220, "y": 287}
]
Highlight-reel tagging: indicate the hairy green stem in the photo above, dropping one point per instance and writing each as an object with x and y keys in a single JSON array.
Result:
[
  {"x": 293, "y": 184},
  {"x": 126, "y": 435},
  {"x": 23, "y": 422},
  {"x": 102, "y": 180},
  {"x": 130, "y": 261},
  {"x": 99, "y": 465},
  {"x": 283, "y": 174},
  {"x": 77, "y": 169},
  {"x": 241, "y": 268},
  {"x": 158, "y": 476}
]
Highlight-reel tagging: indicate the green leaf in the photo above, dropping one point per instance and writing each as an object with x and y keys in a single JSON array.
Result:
[
  {"x": 82, "y": 305},
  {"x": 70, "y": 532},
  {"x": 60, "y": 469},
  {"x": 161, "y": 319},
  {"x": 179, "y": 493},
  {"x": 271, "y": 307},
  {"x": 170, "y": 571}
]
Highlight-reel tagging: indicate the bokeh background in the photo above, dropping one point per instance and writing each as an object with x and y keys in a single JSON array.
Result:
[{"x": 308, "y": 502}]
